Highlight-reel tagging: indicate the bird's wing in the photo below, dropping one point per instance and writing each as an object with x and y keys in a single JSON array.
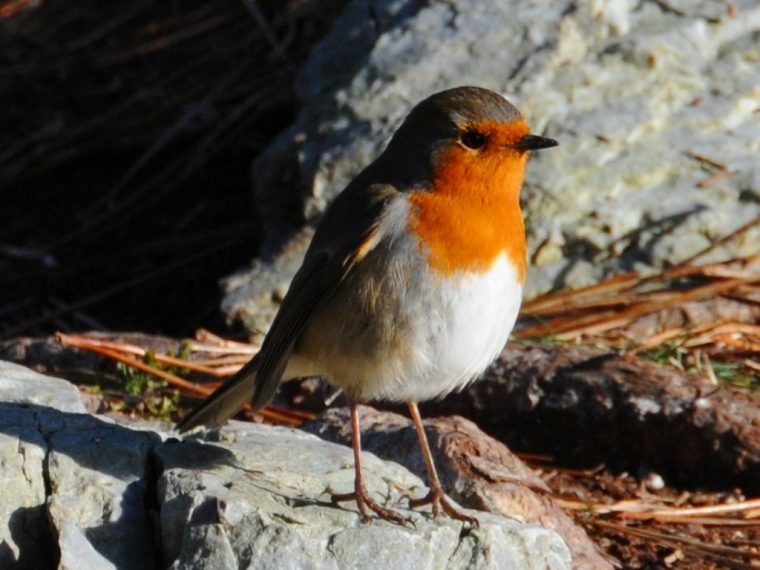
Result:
[
  {"x": 257, "y": 381},
  {"x": 339, "y": 243},
  {"x": 225, "y": 402}
]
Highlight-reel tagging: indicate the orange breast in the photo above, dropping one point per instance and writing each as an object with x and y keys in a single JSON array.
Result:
[{"x": 472, "y": 214}]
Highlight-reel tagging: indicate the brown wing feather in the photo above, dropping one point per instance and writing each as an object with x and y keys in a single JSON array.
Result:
[
  {"x": 336, "y": 247},
  {"x": 257, "y": 381}
]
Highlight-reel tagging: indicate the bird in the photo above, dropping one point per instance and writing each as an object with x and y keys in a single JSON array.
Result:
[{"x": 412, "y": 281}]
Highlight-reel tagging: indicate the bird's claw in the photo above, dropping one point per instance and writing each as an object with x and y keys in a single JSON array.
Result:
[
  {"x": 438, "y": 500},
  {"x": 365, "y": 503}
]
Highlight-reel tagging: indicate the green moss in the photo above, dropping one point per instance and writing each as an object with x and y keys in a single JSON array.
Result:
[{"x": 152, "y": 397}]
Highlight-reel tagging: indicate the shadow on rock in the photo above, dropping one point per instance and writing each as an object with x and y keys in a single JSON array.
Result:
[{"x": 81, "y": 489}]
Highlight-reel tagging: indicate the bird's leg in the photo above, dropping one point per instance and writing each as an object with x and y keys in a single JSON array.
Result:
[
  {"x": 436, "y": 497},
  {"x": 360, "y": 494}
]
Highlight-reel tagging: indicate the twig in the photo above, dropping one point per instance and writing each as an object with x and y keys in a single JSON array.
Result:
[
  {"x": 269, "y": 35},
  {"x": 714, "y": 178},
  {"x": 109, "y": 210},
  {"x": 186, "y": 33},
  {"x": 706, "y": 160},
  {"x": 173, "y": 379},
  {"x": 724, "y": 508},
  {"x": 658, "y": 339},
  {"x": 79, "y": 315},
  {"x": 558, "y": 300},
  {"x": 722, "y": 241},
  {"x": 88, "y": 343},
  {"x": 204, "y": 390},
  {"x": 106, "y": 29},
  {"x": 714, "y": 551}
]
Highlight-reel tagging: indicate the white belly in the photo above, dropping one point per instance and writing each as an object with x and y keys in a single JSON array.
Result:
[
  {"x": 424, "y": 335},
  {"x": 463, "y": 338}
]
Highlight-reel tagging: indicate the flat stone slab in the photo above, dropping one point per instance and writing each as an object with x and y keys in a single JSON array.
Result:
[{"x": 260, "y": 498}]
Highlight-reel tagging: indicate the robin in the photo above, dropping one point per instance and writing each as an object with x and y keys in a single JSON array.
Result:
[{"x": 413, "y": 279}]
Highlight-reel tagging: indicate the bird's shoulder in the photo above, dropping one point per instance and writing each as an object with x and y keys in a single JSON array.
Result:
[{"x": 354, "y": 220}]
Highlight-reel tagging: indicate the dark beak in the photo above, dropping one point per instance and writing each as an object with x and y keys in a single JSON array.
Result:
[{"x": 534, "y": 142}]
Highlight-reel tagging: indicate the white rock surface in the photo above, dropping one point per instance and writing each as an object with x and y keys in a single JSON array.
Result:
[
  {"x": 262, "y": 501},
  {"x": 21, "y": 385},
  {"x": 23, "y": 530},
  {"x": 75, "y": 486},
  {"x": 637, "y": 94},
  {"x": 80, "y": 491},
  {"x": 100, "y": 489},
  {"x": 23, "y": 449}
]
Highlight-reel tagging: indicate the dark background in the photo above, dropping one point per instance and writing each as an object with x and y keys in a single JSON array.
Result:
[{"x": 128, "y": 133}]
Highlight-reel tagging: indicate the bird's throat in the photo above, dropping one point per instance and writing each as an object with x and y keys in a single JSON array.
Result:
[{"x": 471, "y": 216}]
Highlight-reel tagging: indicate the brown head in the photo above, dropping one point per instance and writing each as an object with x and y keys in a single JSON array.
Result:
[
  {"x": 476, "y": 121},
  {"x": 462, "y": 154}
]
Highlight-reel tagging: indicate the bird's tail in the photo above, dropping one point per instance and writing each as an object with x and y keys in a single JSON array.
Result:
[{"x": 226, "y": 401}]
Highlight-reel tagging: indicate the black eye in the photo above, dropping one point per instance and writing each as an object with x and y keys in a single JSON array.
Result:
[{"x": 473, "y": 139}]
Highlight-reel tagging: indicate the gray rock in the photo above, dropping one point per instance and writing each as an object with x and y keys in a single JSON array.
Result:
[
  {"x": 21, "y": 385},
  {"x": 260, "y": 499},
  {"x": 638, "y": 96},
  {"x": 83, "y": 492},
  {"x": 476, "y": 470},
  {"x": 25, "y": 541},
  {"x": 99, "y": 478},
  {"x": 75, "y": 487}
]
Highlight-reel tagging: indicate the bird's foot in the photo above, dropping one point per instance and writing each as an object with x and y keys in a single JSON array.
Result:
[
  {"x": 438, "y": 499},
  {"x": 367, "y": 504}
]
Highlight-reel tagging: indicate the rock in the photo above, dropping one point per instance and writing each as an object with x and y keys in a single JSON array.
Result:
[
  {"x": 81, "y": 491},
  {"x": 21, "y": 385},
  {"x": 25, "y": 540},
  {"x": 100, "y": 486},
  {"x": 477, "y": 471},
  {"x": 649, "y": 104},
  {"x": 75, "y": 486},
  {"x": 266, "y": 503}
]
